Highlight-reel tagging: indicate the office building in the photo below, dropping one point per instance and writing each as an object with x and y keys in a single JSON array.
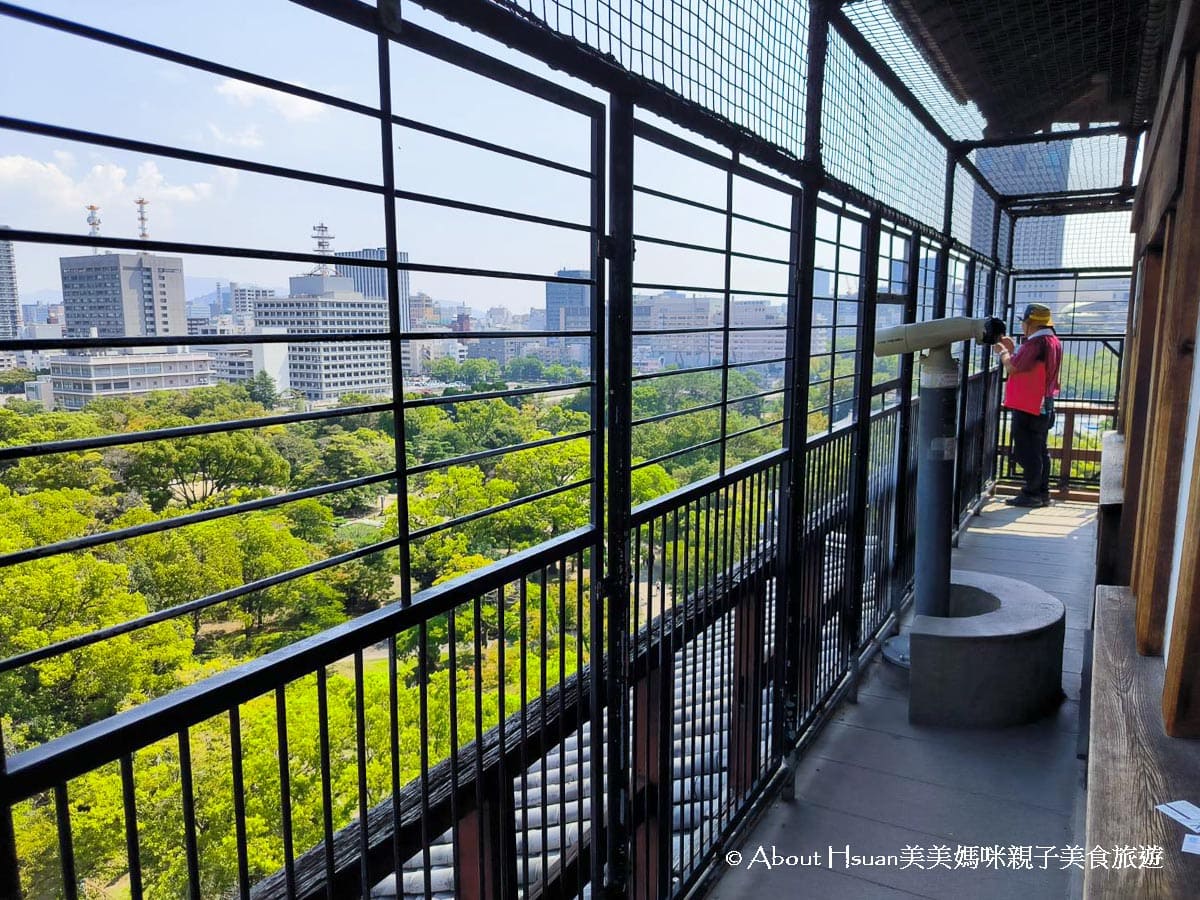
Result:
[
  {"x": 328, "y": 304},
  {"x": 77, "y": 379},
  {"x": 238, "y": 363},
  {"x": 371, "y": 281},
  {"x": 123, "y": 295},
  {"x": 568, "y": 305}
]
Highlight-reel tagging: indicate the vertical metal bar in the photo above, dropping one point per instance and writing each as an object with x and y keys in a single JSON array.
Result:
[
  {"x": 455, "y": 813},
  {"x": 285, "y": 791},
  {"x": 394, "y": 746},
  {"x": 10, "y": 867},
  {"x": 856, "y": 536},
  {"x": 129, "y": 798},
  {"x": 904, "y": 438},
  {"x": 189, "y": 815},
  {"x": 942, "y": 276},
  {"x": 423, "y": 712},
  {"x": 479, "y": 832},
  {"x": 360, "y": 740},
  {"x": 728, "y": 303},
  {"x": 394, "y": 301},
  {"x": 789, "y": 589},
  {"x": 964, "y": 375},
  {"x": 619, "y": 459},
  {"x": 600, "y": 595},
  {"x": 66, "y": 844},
  {"x": 239, "y": 803},
  {"x": 326, "y": 786},
  {"x": 523, "y": 617}
]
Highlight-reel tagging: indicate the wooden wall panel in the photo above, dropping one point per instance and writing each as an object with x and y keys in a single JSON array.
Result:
[
  {"x": 1174, "y": 343},
  {"x": 1181, "y": 689}
]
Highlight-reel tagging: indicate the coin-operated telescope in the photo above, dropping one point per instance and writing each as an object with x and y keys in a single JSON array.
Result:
[{"x": 937, "y": 441}]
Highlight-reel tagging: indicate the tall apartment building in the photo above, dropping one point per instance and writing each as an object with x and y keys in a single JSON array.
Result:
[
  {"x": 123, "y": 295},
  {"x": 328, "y": 304},
  {"x": 10, "y": 304},
  {"x": 371, "y": 281}
]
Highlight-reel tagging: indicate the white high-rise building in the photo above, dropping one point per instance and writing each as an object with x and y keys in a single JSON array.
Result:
[
  {"x": 243, "y": 297},
  {"x": 371, "y": 281},
  {"x": 328, "y": 304},
  {"x": 10, "y": 305},
  {"x": 124, "y": 295}
]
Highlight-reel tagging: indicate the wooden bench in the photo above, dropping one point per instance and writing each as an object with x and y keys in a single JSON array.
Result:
[{"x": 1133, "y": 766}]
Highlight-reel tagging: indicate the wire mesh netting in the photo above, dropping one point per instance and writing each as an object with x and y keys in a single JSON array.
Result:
[
  {"x": 1081, "y": 164},
  {"x": 742, "y": 60},
  {"x": 1002, "y": 243},
  {"x": 1090, "y": 240},
  {"x": 870, "y": 141},
  {"x": 971, "y": 222},
  {"x": 874, "y": 18}
]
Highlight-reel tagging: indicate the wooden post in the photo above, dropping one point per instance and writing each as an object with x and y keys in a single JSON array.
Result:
[
  {"x": 487, "y": 842},
  {"x": 1065, "y": 454},
  {"x": 653, "y": 782},
  {"x": 1139, "y": 348},
  {"x": 1174, "y": 345},
  {"x": 746, "y": 706},
  {"x": 1181, "y": 688}
]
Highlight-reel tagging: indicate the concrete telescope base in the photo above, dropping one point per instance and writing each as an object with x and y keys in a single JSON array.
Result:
[{"x": 996, "y": 660}]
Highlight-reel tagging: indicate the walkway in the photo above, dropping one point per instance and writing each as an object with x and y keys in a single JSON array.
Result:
[{"x": 876, "y": 783}]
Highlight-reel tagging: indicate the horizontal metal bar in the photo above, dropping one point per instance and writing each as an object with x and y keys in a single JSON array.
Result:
[
  {"x": 645, "y": 286},
  {"x": 644, "y": 512},
  {"x": 183, "y": 340},
  {"x": 167, "y": 151},
  {"x": 703, "y": 445},
  {"x": 1074, "y": 134},
  {"x": 491, "y": 335},
  {"x": 675, "y": 413},
  {"x": 684, "y": 245},
  {"x": 133, "y": 531},
  {"x": 481, "y": 144},
  {"x": 753, "y": 428},
  {"x": 496, "y": 451},
  {"x": 446, "y": 202},
  {"x": 83, "y": 750},
  {"x": 708, "y": 329},
  {"x": 667, "y": 373},
  {"x": 500, "y": 507},
  {"x": 450, "y": 399},
  {"x": 122, "y": 439},
  {"x": 73, "y": 239},
  {"x": 184, "y": 59},
  {"x": 663, "y": 195},
  {"x": 183, "y": 609}
]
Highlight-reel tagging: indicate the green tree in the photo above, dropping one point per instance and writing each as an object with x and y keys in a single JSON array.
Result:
[
  {"x": 194, "y": 469},
  {"x": 262, "y": 389}
]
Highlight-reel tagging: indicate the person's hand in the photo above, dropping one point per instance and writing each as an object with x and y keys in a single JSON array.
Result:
[{"x": 1006, "y": 343}]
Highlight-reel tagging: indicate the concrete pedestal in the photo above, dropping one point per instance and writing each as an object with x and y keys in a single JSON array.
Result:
[{"x": 996, "y": 660}]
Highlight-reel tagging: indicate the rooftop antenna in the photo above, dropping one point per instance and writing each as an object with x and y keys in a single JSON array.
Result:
[
  {"x": 324, "y": 241},
  {"x": 143, "y": 221},
  {"x": 93, "y": 220}
]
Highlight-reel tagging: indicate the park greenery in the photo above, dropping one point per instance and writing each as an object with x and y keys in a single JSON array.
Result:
[{"x": 49, "y": 498}]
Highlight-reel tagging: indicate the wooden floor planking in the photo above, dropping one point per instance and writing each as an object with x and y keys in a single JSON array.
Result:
[{"x": 878, "y": 783}]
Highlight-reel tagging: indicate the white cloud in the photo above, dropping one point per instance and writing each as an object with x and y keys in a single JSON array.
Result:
[
  {"x": 248, "y": 137},
  {"x": 292, "y": 108},
  {"x": 56, "y": 199}
]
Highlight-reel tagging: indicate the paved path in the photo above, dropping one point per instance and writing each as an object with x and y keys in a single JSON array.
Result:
[{"x": 876, "y": 783}]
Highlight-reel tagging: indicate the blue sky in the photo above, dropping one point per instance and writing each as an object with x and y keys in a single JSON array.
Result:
[{"x": 61, "y": 79}]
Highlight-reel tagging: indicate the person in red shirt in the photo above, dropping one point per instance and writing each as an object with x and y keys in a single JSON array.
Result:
[{"x": 1029, "y": 394}]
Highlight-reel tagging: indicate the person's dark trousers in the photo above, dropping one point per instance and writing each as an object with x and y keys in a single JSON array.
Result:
[{"x": 1030, "y": 435}]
